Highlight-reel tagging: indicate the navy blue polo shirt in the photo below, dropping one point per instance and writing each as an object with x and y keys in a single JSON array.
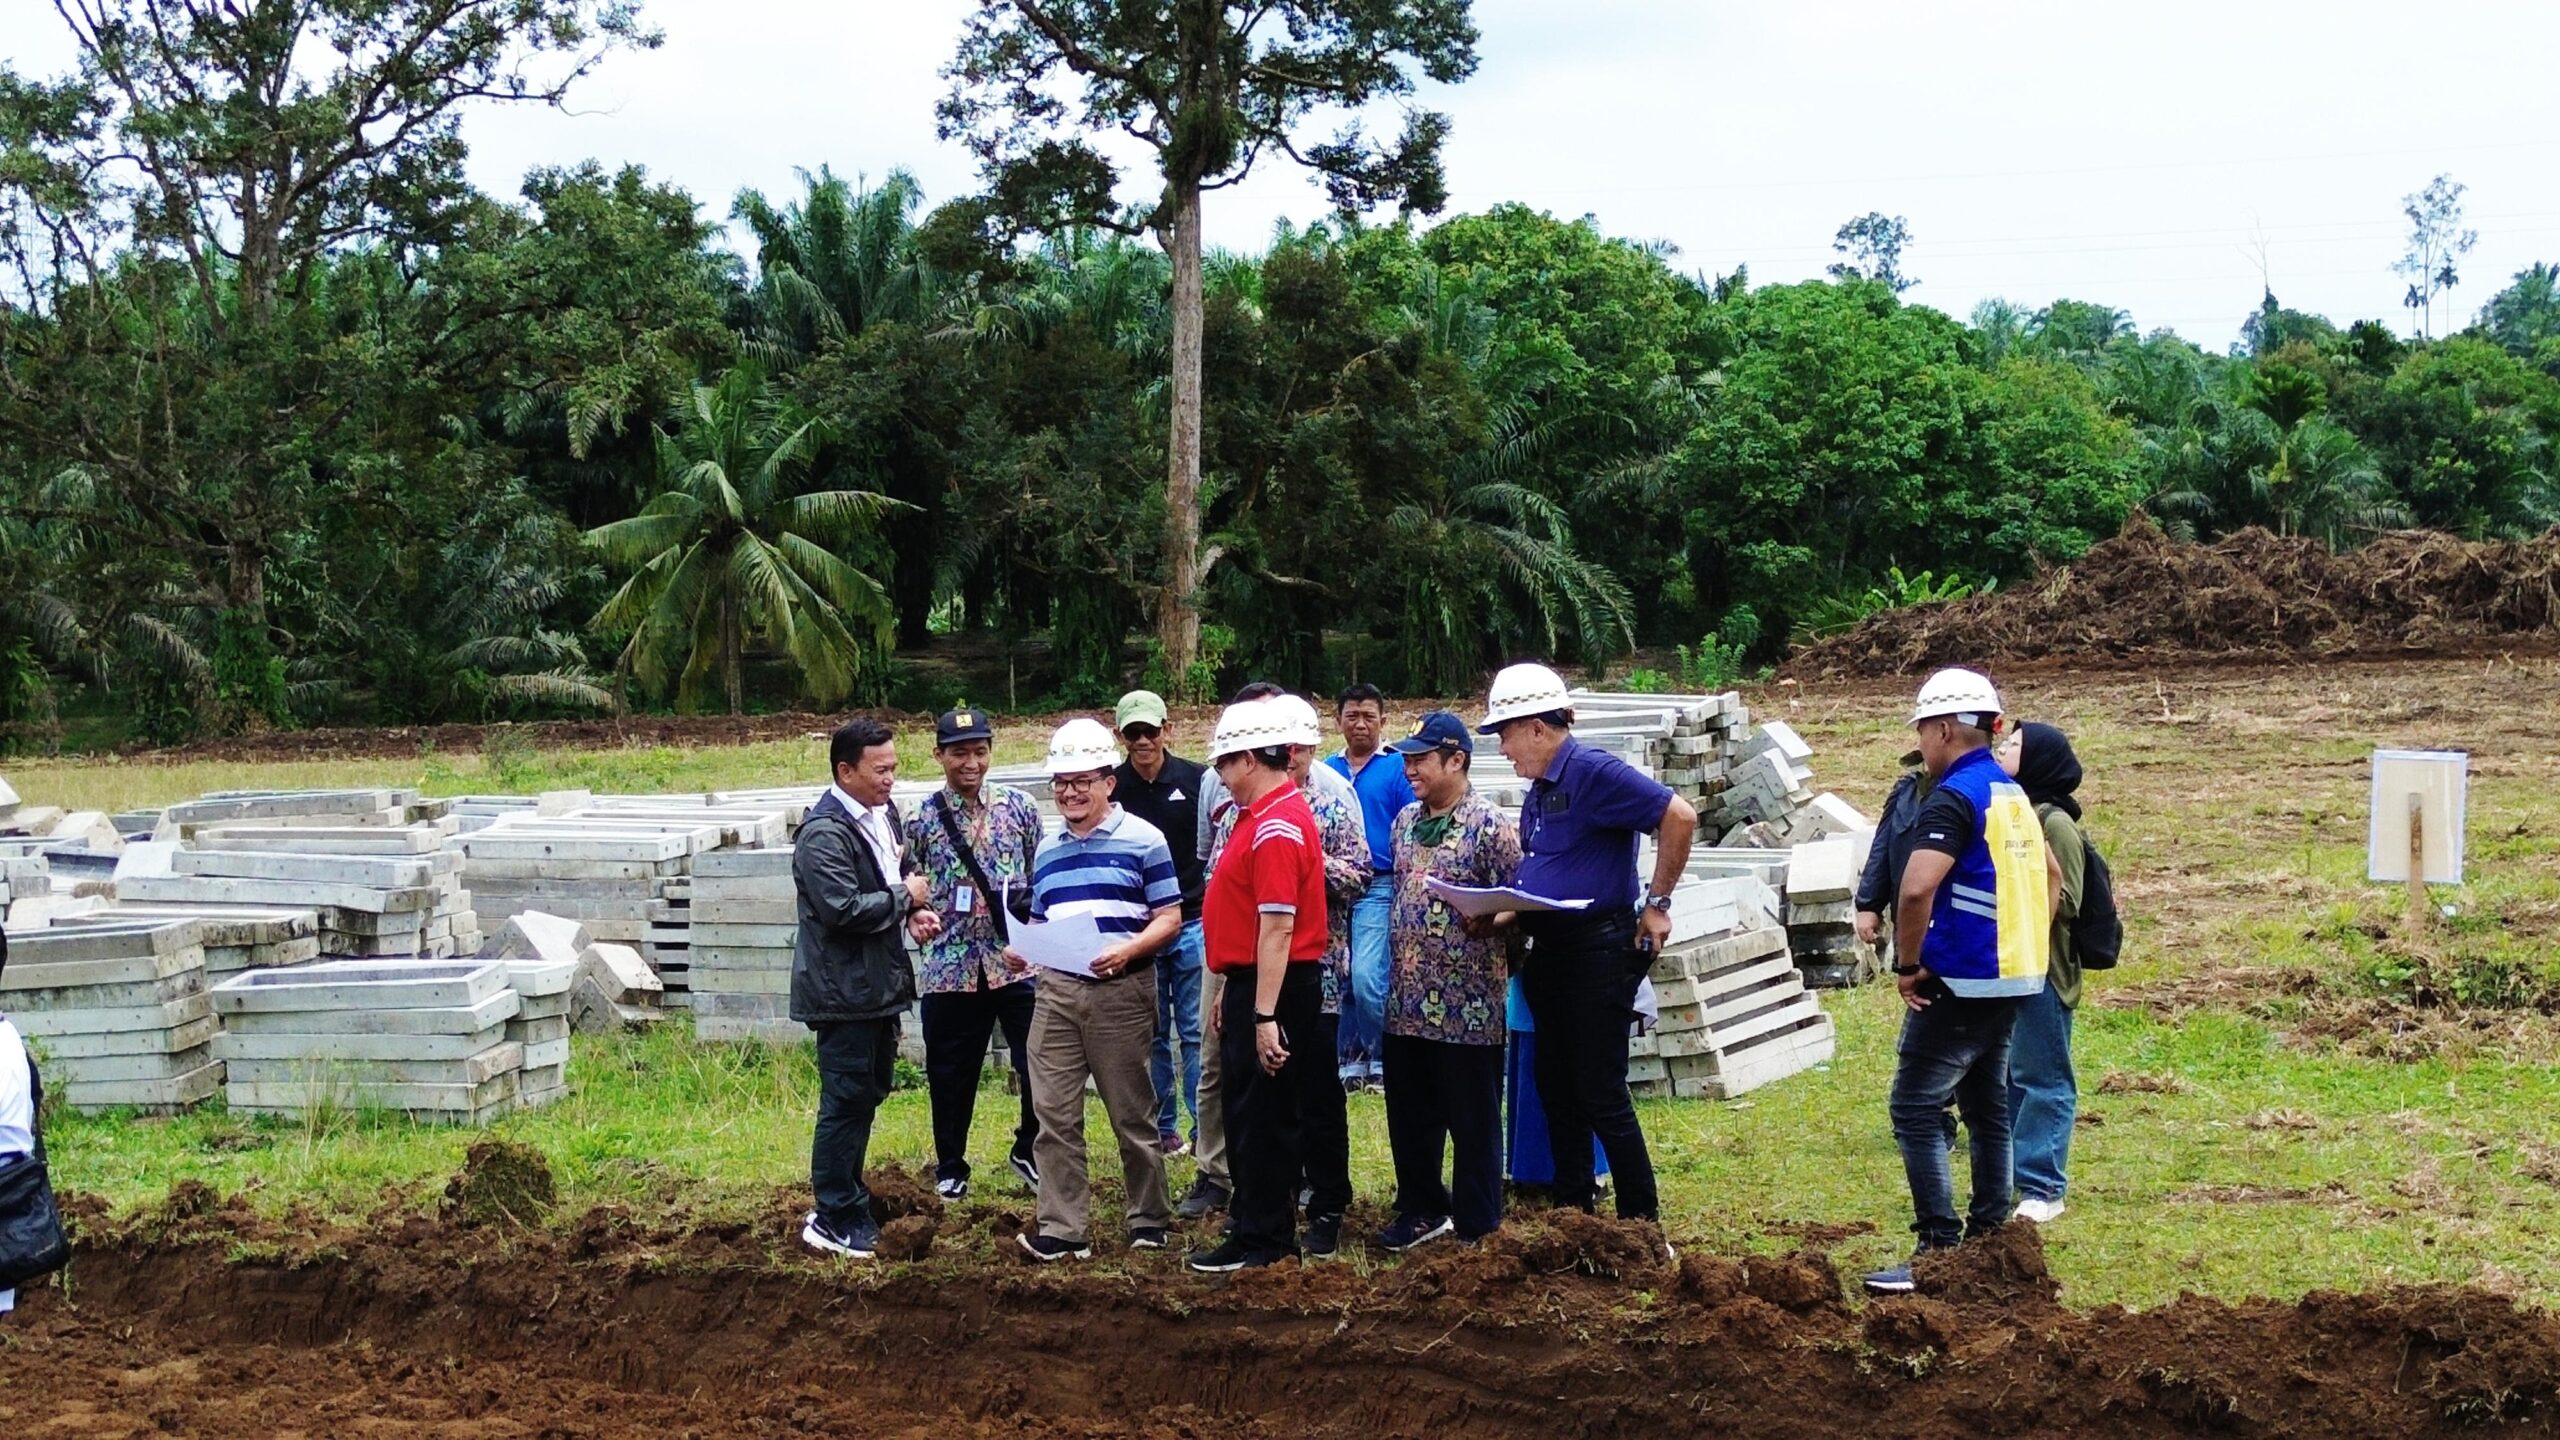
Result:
[
  {"x": 1579, "y": 825},
  {"x": 1384, "y": 792}
]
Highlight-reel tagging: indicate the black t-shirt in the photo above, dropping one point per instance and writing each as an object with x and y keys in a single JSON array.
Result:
[
  {"x": 1946, "y": 824},
  {"x": 1171, "y": 803}
]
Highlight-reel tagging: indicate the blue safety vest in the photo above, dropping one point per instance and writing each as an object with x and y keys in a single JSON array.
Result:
[{"x": 1990, "y": 928}]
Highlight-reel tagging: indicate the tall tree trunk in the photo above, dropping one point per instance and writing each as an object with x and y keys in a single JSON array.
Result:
[
  {"x": 1177, "y": 607},
  {"x": 730, "y": 665}
]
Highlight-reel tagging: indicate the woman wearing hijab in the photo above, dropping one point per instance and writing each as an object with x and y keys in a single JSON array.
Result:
[{"x": 2044, "y": 1098}]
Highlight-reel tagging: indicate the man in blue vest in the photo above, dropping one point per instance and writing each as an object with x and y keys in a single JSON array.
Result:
[{"x": 1972, "y": 935}]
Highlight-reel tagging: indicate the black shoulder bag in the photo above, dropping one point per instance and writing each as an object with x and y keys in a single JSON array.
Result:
[
  {"x": 977, "y": 874},
  {"x": 32, "y": 1243}
]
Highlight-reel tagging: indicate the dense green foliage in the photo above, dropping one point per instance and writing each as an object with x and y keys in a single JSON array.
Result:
[{"x": 400, "y": 450}]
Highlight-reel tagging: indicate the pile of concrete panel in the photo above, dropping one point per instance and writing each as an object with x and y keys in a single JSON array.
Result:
[
  {"x": 1733, "y": 1013},
  {"x": 1821, "y": 914},
  {"x": 744, "y": 917},
  {"x": 76, "y": 836},
  {"x": 427, "y": 1038},
  {"x": 619, "y": 865},
  {"x": 119, "y": 1011},
  {"x": 378, "y": 891},
  {"x": 235, "y": 938},
  {"x": 23, "y": 878},
  {"x": 610, "y": 988},
  {"x": 541, "y": 1025}
]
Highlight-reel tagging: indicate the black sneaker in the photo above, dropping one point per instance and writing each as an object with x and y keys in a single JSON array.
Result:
[
  {"x": 1411, "y": 1230},
  {"x": 1023, "y": 1166},
  {"x": 854, "y": 1242},
  {"x": 952, "y": 1189},
  {"x": 1046, "y": 1248},
  {"x": 1149, "y": 1237},
  {"x": 1230, "y": 1255},
  {"x": 1205, "y": 1196},
  {"x": 1323, "y": 1236}
]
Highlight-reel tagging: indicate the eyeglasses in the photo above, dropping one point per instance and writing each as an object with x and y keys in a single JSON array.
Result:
[
  {"x": 1073, "y": 784},
  {"x": 1140, "y": 732}
]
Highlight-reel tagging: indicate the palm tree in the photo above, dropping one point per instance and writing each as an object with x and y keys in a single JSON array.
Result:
[
  {"x": 1490, "y": 570},
  {"x": 2323, "y": 484},
  {"x": 734, "y": 545},
  {"x": 833, "y": 263}
]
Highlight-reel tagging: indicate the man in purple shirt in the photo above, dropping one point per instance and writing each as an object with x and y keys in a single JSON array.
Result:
[{"x": 1578, "y": 831}]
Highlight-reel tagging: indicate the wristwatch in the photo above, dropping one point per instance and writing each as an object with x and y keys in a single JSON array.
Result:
[
  {"x": 1658, "y": 902},
  {"x": 1906, "y": 969},
  {"x": 1261, "y": 1019}
]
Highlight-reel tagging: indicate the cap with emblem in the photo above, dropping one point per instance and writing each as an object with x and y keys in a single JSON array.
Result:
[
  {"x": 962, "y": 725},
  {"x": 1139, "y": 707},
  {"x": 1439, "y": 730}
]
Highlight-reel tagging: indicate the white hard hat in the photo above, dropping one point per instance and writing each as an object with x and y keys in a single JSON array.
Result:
[
  {"x": 1080, "y": 745},
  {"x": 1521, "y": 691},
  {"x": 1304, "y": 727},
  {"x": 1248, "y": 725},
  {"x": 1964, "y": 694}
]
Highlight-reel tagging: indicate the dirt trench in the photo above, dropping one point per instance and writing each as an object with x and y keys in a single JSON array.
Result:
[{"x": 615, "y": 1328}]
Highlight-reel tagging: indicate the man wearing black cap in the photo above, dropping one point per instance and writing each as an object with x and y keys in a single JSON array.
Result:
[
  {"x": 1446, "y": 1008},
  {"x": 974, "y": 843}
]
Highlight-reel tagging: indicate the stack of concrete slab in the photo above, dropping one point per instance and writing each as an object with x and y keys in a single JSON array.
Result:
[
  {"x": 426, "y": 1038},
  {"x": 610, "y": 987},
  {"x": 541, "y": 1026},
  {"x": 378, "y": 891},
  {"x": 1733, "y": 1013},
  {"x": 119, "y": 1011},
  {"x": 48, "y": 830},
  {"x": 22, "y": 878},
  {"x": 236, "y": 938},
  {"x": 322, "y": 809},
  {"x": 1821, "y": 915},
  {"x": 744, "y": 917}
]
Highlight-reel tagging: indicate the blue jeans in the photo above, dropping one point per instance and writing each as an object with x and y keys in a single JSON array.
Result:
[
  {"x": 2044, "y": 1096},
  {"x": 1178, "y": 973},
  {"x": 1362, "y": 1048},
  {"x": 1957, "y": 1049}
]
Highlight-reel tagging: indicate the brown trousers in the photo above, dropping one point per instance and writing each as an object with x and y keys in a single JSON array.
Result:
[{"x": 1103, "y": 1030}]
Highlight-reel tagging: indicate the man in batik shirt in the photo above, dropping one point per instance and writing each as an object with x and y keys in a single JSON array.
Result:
[
  {"x": 975, "y": 843},
  {"x": 1445, "y": 1012}
]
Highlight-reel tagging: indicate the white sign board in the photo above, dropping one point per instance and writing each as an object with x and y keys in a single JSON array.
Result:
[{"x": 2436, "y": 784}]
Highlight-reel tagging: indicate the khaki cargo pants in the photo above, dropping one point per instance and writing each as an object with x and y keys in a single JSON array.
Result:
[{"x": 1104, "y": 1030}]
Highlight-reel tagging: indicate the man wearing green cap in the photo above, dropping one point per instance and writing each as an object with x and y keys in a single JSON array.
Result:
[{"x": 1163, "y": 789}]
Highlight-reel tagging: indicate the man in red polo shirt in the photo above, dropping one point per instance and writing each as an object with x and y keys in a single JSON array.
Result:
[{"x": 1263, "y": 926}]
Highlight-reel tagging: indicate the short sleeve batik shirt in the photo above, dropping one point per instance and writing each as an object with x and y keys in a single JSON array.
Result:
[
  {"x": 1442, "y": 983},
  {"x": 1346, "y": 874},
  {"x": 1003, "y": 831}
]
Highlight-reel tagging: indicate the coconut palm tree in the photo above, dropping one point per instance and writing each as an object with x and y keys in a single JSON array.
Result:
[
  {"x": 2323, "y": 484},
  {"x": 738, "y": 542}
]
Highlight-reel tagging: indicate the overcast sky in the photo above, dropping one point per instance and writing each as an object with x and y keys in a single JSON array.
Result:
[{"x": 2144, "y": 155}]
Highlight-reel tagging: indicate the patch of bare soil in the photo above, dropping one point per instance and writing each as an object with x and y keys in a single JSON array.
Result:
[
  {"x": 2143, "y": 597},
  {"x": 199, "y": 1319}
]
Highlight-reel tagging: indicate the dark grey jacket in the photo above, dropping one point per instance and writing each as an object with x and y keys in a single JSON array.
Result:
[{"x": 850, "y": 960}]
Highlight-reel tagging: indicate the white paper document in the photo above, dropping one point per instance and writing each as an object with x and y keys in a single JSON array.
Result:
[
  {"x": 1068, "y": 943},
  {"x": 1472, "y": 900}
]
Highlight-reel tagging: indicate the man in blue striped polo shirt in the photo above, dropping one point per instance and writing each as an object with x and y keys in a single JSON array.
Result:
[{"x": 1112, "y": 868}]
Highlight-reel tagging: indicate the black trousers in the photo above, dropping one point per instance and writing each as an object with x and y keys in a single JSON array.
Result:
[
  {"x": 1326, "y": 1116},
  {"x": 1269, "y": 1116},
  {"x": 1580, "y": 981},
  {"x": 1443, "y": 1096},
  {"x": 857, "y": 1061},
  {"x": 957, "y": 1027}
]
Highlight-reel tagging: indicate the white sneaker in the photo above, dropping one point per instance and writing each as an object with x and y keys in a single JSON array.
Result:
[{"x": 2043, "y": 1212}]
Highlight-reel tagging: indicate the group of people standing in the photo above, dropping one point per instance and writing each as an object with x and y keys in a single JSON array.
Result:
[
  {"x": 1265, "y": 939},
  {"x": 1267, "y": 943}
]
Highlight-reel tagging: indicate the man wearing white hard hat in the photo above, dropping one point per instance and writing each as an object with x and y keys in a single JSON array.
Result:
[
  {"x": 1263, "y": 927},
  {"x": 1578, "y": 841},
  {"x": 1327, "y": 1119},
  {"x": 1116, "y": 870},
  {"x": 1972, "y": 936}
]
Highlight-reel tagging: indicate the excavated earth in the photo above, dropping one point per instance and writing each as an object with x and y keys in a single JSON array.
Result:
[
  {"x": 2143, "y": 597},
  {"x": 203, "y": 1319}
]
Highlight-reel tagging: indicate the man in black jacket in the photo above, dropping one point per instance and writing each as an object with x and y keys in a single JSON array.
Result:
[{"x": 850, "y": 979}]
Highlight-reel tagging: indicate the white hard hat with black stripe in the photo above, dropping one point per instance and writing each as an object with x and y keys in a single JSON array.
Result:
[
  {"x": 1248, "y": 725},
  {"x": 1521, "y": 691},
  {"x": 1966, "y": 695}
]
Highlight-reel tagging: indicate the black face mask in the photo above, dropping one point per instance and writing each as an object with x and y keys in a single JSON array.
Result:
[{"x": 2048, "y": 768}]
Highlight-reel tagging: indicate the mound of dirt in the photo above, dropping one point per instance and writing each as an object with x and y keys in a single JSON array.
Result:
[
  {"x": 608, "y": 1329},
  {"x": 2004, "y": 1268},
  {"x": 501, "y": 1182},
  {"x": 2143, "y": 597}
]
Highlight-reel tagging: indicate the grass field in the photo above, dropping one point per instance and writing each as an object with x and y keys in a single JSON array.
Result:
[{"x": 2281, "y": 1091}]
